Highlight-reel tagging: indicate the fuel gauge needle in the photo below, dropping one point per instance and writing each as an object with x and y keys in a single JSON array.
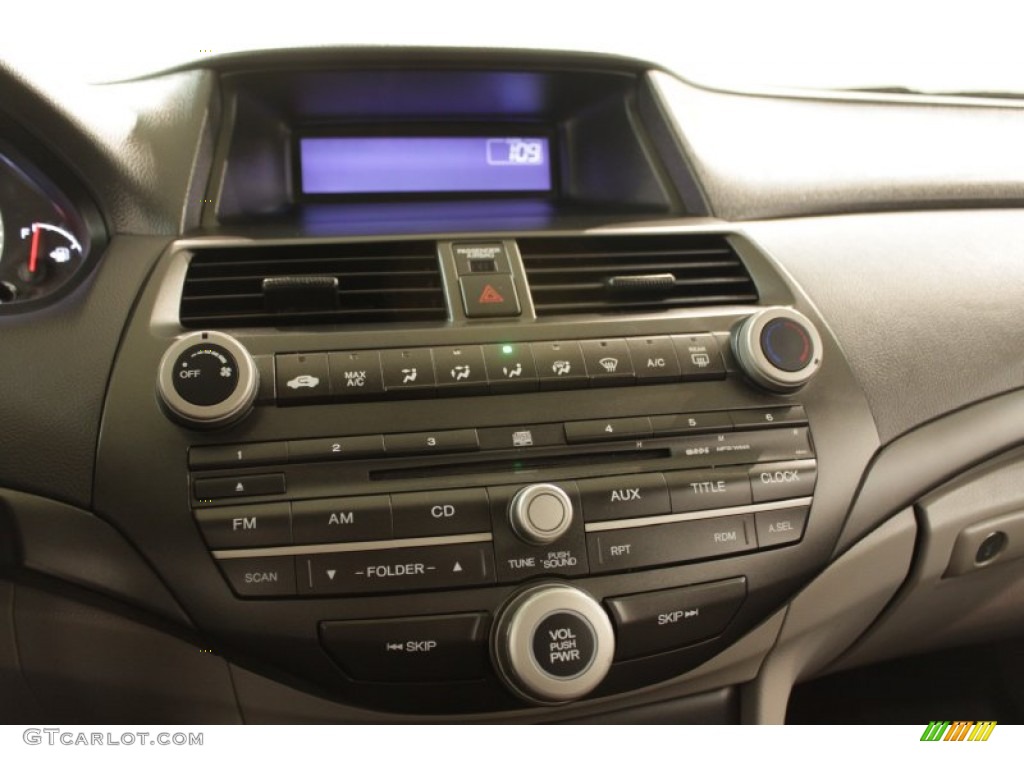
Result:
[{"x": 33, "y": 257}]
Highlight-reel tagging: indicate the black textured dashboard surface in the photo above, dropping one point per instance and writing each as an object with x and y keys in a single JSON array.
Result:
[
  {"x": 57, "y": 362},
  {"x": 926, "y": 306}
]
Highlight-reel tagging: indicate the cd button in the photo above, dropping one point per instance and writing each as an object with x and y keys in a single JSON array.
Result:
[{"x": 441, "y": 513}]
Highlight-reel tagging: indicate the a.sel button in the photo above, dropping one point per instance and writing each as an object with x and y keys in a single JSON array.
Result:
[
  {"x": 780, "y": 526},
  {"x": 353, "y": 518},
  {"x": 255, "y": 525},
  {"x": 624, "y": 549},
  {"x": 414, "y": 650},
  {"x": 396, "y": 570},
  {"x": 785, "y": 480},
  {"x": 613, "y": 498},
  {"x": 260, "y": 576},
  {"x": 441, "y": 513},
  {"x": 708, "y": 489},
  {"x": 654, "y": 622}
]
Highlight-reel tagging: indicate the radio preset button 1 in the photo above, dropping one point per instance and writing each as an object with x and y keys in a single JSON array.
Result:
[
  {"x": 246, "y": 454},
  {"x": 441, "y": 512},
  {"x": 350, "y": 518}
]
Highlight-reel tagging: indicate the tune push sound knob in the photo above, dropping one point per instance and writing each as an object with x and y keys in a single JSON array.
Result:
[
  {"x": 552, "y": 643},
  {"x": 207, "y": 380},
  {"x": 779, "y": 349},
  {"x": 540, "y": 514}
]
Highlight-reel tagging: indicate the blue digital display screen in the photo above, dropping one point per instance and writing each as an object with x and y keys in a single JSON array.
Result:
[{"x": 352, "y": 165}]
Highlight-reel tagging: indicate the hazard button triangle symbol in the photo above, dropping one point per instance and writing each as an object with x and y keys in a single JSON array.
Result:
[{"x": 490, "y": 295}]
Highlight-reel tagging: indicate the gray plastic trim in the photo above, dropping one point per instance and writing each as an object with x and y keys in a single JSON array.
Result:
[
  {"x": 830, "y": 614},
  {"x": 641, "y": 522},
  {"x": 356, "y": 546}
]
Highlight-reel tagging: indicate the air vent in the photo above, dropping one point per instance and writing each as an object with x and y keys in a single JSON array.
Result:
[
  {"x": 350, "y": 283},
  {"x": 627, "y": 273}
]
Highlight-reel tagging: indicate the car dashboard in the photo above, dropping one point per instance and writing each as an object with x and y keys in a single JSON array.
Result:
[{"x": 441, "y": 385}]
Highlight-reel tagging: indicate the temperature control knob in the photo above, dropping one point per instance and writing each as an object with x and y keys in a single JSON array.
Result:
[
  {"x": 778, "y": 348},
  {"x": 540, "y": 513},
  {"x": 552, "y": 643},
  {"x": 207, "y": 379}
]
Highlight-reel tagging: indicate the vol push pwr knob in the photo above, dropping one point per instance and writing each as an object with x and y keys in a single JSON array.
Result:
[
  {"x": 207, "y": 380},
  {"x": 553, "y": 643},
  {"x": 779, "y": 349}
]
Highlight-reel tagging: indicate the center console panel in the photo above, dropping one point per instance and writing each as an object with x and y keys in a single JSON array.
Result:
[{"x": 482, "y": 513}]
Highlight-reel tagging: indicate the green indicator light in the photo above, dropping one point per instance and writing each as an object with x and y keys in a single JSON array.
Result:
[{"x": 507, "y": 349}]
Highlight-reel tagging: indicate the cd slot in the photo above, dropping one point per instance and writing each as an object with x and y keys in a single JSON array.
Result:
[{"x": 517, "y": 464}]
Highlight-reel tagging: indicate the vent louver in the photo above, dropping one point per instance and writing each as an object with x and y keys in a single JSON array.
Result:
[
  {"x": 349, "y": 283},
  {"x": 633, "y": 273}
]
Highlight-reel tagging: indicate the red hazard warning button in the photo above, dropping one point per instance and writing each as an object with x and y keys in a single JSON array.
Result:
[{"x": 491, "y": 295}]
